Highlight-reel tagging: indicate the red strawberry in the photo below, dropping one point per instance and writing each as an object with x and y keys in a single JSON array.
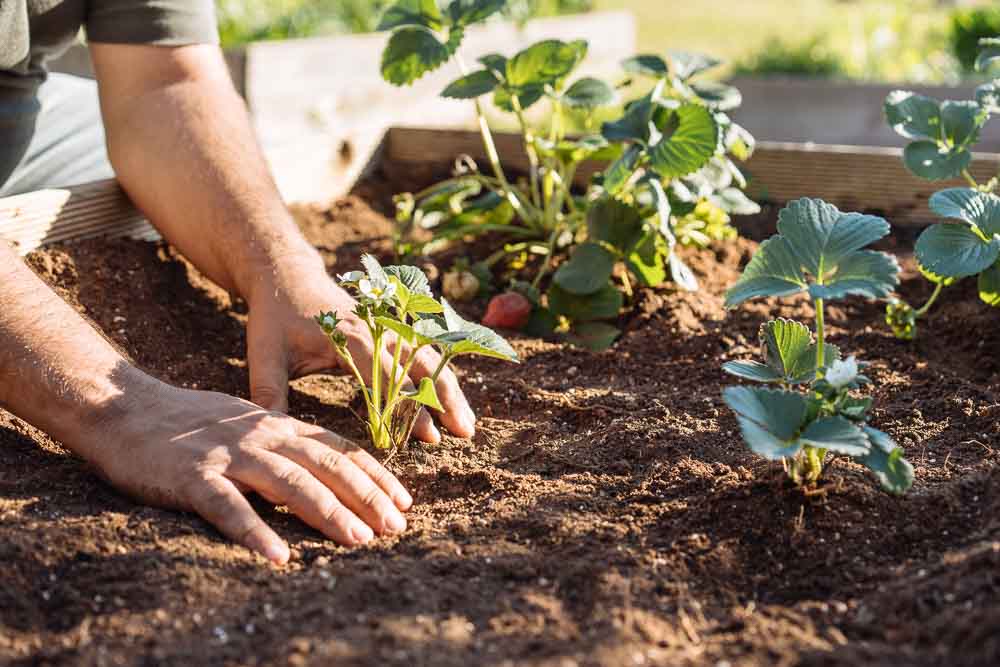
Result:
[{"x": 509, "y": 310}]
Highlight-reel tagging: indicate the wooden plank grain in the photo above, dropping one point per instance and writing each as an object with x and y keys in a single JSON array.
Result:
[{"x": 33, "y": 219}]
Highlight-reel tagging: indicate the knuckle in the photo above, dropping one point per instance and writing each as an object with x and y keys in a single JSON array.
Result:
[
  {"x": 331, "y": 460},
  {"x": 293, "y": 477},
  {"x": 374, "y": 499}
]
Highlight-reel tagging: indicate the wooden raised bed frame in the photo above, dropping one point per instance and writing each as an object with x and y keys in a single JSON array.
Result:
[{"x": 853, "y": 178}]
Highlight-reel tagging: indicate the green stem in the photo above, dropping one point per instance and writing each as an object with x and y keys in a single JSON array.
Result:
[
  {"x": 930, "y": 302},
  {"x": 396, "y": 380},
  {"x": 820, "y": 339},
  {"x": 548, "y": 257},
  {"x": 969, "y": 179},
  {"x": 378, "y": 333},
  {"x": 349, "y": 360},
  {"x": 529, "y": 148}
]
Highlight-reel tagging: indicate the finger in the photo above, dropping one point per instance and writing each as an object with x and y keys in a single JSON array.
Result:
[
  {"x": 352, "y": 485},
  {"x": 285, "y": 482},
  {"x": 220, "y": 503},
  {"x": 423, "y": 428},
  {"x": 268, "y": 362},
  {"x": 375, "y": 470},
  {"x": 457, "y": 417}
]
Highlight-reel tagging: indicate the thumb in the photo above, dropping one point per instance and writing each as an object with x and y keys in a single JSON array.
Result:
[{"x": 268, "y": 362}]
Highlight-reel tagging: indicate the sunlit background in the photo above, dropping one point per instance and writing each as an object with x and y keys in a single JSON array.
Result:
[{"x": 925, "y": 41}]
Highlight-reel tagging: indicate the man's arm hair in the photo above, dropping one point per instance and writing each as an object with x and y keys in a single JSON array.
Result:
[
  {"x": 183, "y": 147},
  {"x": 56, "y": 371}
]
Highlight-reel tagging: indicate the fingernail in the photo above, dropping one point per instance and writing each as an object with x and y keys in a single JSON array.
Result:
[
  {"x": 403, "y": 500},
  {"x": 276, "y": 552},
  {"x": 468, "y": 419},
  {"x": 362, "y": 534},
  {"x": 395, "y": 522}
]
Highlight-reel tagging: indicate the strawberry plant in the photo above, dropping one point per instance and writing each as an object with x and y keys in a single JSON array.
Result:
[
  {"x": 944, "y": 134},
  {"x": 398, "y": 300},
  {"x": 807, "y": 408},
  {"x": 670, "y": 175}
]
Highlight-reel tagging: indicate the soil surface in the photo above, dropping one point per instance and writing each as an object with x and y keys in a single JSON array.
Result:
[{"x": 606, "y": 512}]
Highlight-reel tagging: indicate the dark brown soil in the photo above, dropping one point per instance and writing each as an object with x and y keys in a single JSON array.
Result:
[{"x": 606, "y": 513}]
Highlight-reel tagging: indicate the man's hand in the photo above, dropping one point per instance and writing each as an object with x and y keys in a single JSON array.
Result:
[
  {"x": 175, "y": 447},
  {"x": 183, "y": 148},
  {"x": 197, "y": 451},
  {"x": 283, "y": 341}
]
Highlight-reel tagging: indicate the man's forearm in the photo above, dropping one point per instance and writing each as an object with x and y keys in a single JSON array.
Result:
[
  {"x": 56, "y": 371},
  {"x": 183, "y": 147}
]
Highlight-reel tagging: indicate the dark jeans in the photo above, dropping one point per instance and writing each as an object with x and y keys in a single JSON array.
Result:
[{"x": 67, "y": 147}]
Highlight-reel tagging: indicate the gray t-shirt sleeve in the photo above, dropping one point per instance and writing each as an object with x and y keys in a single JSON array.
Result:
[{"x": 160, "y": 22}]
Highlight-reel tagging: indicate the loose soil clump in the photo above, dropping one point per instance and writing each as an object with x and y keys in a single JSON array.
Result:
[{"x": 605, "y": 513}]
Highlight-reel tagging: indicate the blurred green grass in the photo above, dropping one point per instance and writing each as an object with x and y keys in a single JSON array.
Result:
[{"x": 875, "y": 39}]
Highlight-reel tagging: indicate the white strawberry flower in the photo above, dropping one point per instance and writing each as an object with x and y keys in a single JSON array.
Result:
[
  {"x": 842, "y": 372},
  {"x": 350, "y": 277},
  {"x": 376, "y": 292}
]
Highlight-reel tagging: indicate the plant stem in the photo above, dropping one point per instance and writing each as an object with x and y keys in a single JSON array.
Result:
[
  {"x": 969, "y": 179},
  {"x": 930, "y": 302},
  {"x": 529, "y": 148},
  {"x": 548, "y": 257},
  {"x": 491, "y": 148},
  {"x": 820, "y": 339}
]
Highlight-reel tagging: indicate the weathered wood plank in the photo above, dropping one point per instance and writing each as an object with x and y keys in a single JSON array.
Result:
[
  {"x": 321, "y": 107},
  {"x": 851, "y": 177},
  {"x": 37, "y": 218}
]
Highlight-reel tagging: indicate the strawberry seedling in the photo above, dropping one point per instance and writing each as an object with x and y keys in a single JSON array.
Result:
[
  {"x": 396, "y": 301},
  {"x": 944, "y": 134},
  {"x": 671, "y": 177},
  {"x": 820, "y": 251}
]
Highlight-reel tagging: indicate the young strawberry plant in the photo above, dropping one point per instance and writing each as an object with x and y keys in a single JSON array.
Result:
[
  {"x": 944, "y": 134},
  {"x": 808, "y": 409},
  {"x": 671, "y": 173},
  {"x": 397, "y": 301}
]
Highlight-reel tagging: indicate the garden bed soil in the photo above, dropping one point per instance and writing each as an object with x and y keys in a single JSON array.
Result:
[{"x": 605, "y": 513}]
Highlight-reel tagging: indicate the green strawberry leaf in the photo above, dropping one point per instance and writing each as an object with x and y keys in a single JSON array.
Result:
[
  {"x": 818, "y": 244},
  {"x": 648, "y": 257},
  {"x": 617, "y": 175},
  {"x": 545, "y": 63},
  {"x": 587, "y": 271},
  {"x": 718, "y": 96},
  {"x": 689, "y": 142},
  {"x": 960, "y": 122},
  {"x": 929, "y": 161},
  {"x": 774, "y": 270},
  {"x": 413, "y": 278},
  {"x": 412, "y": 13},
  {"x": 589, "y": 93},
  {"x": 614, "y": 222},
  {"x": 769, "y": 419},
  {"x": 990, "y": 55},
  {"x": 836, "y": 434},
  {"x": 411, "y": 53},
  {"x": 634, "y": 123},
  {"x": 913, "y": 116},
  {"x": 466, "y": 12},
  {"x": 601, "y": 305},
  {"x": 426, "y": 394},
  {"x": 980, "y": 209},
  {"x": 989, "y": 285},
  {"x": 595, "y": 336},
  {"x": 646, "y": 65},
  {"x": 790, "y": 352},
  {"x": 753, "y": 371},
  {"x": 686, "y": 64},
  {"x": 955, "y": 251},
  {"x": 885, "y": 459},
  {"x": 988, "y": 97},
  {"x": 471, "y": 86}
]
